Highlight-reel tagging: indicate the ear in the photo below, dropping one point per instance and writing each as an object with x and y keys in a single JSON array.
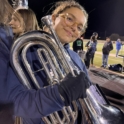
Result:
[{"x": 53, "y": 18}]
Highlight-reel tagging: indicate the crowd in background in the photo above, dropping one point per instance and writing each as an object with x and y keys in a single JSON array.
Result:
[{"x": 91, "y": 46}]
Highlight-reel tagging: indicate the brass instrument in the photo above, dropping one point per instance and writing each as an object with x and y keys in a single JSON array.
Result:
[
  {"x": 99, "y": 110},
  {"x": 44, "y": 40},
  {"x": 20, "y": 4}
]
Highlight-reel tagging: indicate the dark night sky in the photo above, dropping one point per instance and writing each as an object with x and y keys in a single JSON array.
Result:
[{"x": 105, "y": 16}]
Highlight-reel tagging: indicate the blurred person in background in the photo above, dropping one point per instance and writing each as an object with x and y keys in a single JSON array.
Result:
[
  {"x": 107, "y": 47},
  {"x": 93, "y": 54},
  {"x": 22, "y": 21},
  {"x": 118, "y": 46},
  {"x": 78, "y": 47},
  {"x": 91, "y": 48},
  {"x": 78, "y": 44}
]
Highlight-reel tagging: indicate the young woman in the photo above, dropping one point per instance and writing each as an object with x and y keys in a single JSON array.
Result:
[
  {"x": 92, "y": 57},
  {"x": 70, "y": 21},
  {"x": 23, "y": 20}
]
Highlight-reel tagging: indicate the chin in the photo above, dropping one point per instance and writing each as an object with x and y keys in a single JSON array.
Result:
[
  {"x": 14, "y": 31},
  {"x": 65, "y": 41}
]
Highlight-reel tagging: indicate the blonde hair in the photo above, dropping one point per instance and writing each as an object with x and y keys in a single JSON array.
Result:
[
  {"x": 5, "y": 11},
  {"x": 29, "y": 21},
  {"x": 61, "y": 6}
]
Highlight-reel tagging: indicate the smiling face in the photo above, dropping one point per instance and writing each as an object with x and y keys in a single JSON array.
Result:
[{"x": 69, "y": 33}]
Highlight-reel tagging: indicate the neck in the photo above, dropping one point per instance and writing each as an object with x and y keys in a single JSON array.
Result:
[{"x": 17, "y": 35}]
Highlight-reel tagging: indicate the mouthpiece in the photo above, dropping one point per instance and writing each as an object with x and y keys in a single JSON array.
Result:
[{"x": 47, "y": 20}]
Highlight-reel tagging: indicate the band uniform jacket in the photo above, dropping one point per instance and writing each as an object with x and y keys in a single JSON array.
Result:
[
  {"x": 25, "y": 103},
  {"x": 31, "y": 105}
]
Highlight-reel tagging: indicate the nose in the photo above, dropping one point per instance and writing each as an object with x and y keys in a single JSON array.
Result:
[{"x": 10, "y": 23}]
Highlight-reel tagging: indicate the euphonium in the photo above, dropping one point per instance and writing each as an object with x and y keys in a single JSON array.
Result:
[
  {"x": 20, "y": 4},
  {"x": 50, "y": 52},
  {"x": 49, "y": 49}
]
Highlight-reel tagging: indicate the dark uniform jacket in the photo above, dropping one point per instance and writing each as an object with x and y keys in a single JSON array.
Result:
[
  {"x": 30, "y": 104},
  {"x": 108, "y": 46},
  {"x": 20, "y": 101},
  {"x": 78, "y": 45}
]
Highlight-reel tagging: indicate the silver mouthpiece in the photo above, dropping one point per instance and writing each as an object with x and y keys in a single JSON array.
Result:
[{"x": 47, "y": 20}]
